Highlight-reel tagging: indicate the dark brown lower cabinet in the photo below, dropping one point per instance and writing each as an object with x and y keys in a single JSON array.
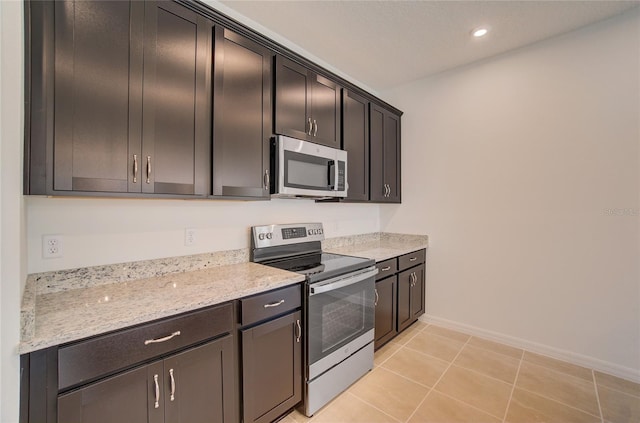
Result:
[
  {"x": 271, "y": 368},
  {"x": 385, "y": 318},
  {"x": 411, "y": 285},
  {"x": 189, "y": 387}
]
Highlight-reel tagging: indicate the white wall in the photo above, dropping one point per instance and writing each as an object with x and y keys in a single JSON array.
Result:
[
  {"x": 12, "y": 235},
  {"x": 523, "y": 169},
  {"x": 101, "y": 231}
]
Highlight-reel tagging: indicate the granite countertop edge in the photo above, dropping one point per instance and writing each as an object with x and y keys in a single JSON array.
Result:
[{"x": 54, "y": 302}]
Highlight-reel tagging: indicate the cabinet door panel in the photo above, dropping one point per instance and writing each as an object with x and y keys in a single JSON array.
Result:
[
  {"x": 175, "y": 93},
  {"x": 270, "y": 389},
  {"x": 418, "y": 292},
  {"x": 292, "y": 99},
  {"x": 91, "y": 139},
  {"x": 392, "y": 156},
  {"x": 242, "y": 120},
  {"x": 385, "y": 328},
  {"x": 376, "y": 122},
  {"x": 127, "y": 397},
  {"x": 202, "y": 377},
  {"x": 355, "y": 127},
  {"x": 325, "y": 111},
  {"x": 405, "y": 317}
]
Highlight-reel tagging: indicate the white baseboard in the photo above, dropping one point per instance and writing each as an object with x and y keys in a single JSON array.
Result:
[{"x": 564, "y": 355}]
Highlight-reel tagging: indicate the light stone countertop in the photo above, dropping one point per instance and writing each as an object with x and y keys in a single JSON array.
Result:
[
  {"x": 70, "y": 315},
  {"x": 69, "y": 305},
  {"x": 380, "y": 248}
]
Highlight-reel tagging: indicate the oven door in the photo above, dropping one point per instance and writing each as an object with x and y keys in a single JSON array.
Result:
[
  {"x": 309, "y": 170},
  {"x": 340, "y": 318}
]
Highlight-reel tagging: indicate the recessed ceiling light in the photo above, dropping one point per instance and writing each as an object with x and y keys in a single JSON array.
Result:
[{"x": 480, "y": 32}]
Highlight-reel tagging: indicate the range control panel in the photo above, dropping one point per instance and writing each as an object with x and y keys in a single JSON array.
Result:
[{"x": 274, "y": 235}]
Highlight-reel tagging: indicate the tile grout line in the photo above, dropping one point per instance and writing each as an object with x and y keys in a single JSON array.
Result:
[
  {"x": 557, "y": 401},
  {"x": 439, "y": 379},
  {"x": 595, "y": 386},
  {"x": 513, "y": 388},
  {"x": 372, "y": 406},
  {"x": 400, "y": 346}
]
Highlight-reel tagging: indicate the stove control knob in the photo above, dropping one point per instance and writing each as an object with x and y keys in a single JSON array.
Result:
[
  {"x": 260, "y": 237},
  {"x": 310, "y": 231},
  {"x": 320, "y": 231},
  {"x": 269, "y": 235}
]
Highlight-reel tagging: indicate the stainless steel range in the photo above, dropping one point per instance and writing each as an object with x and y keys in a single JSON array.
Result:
[{"x": 338, "y": 306}]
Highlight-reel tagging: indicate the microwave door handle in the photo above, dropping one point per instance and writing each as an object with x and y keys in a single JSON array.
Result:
[{"x": 332, "y": 170}]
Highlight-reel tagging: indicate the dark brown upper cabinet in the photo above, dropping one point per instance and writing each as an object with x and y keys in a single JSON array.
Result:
[
  {"x": 307, "y": 105},
  {"x": 355, "y": 140},
  {"x": 119, "y": 96},
  {"x": 242, "y": 116},
  {"x": 385, "y": 155}
]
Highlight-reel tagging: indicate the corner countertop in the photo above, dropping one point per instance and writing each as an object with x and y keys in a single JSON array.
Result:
[{"x": 69, "y": 305}]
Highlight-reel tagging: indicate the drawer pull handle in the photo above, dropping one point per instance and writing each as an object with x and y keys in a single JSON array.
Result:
[
  {"x": 384, "y": 269},
  {"x": 413, "y": 259},
  {"x": 298, "y": 331},
  {"x": 276, "y": 304},
  {"x": 157, "y": 391},
  {"x": 377, "y": 297},
  {"x": 173, "y": 385},
  {"x": 148, "y": 169},
  {"x": 135, "y": 168},
  {"x": 166, "y": 338}
]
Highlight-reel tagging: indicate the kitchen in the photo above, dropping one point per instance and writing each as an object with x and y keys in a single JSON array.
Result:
[{"x": 533, "y": 181}]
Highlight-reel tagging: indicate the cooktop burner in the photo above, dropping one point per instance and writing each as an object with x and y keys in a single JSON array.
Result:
[{"x": 320, "y": 266}]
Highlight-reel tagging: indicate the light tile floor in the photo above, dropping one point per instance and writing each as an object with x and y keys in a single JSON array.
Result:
[{"x": 432, "y": 374}]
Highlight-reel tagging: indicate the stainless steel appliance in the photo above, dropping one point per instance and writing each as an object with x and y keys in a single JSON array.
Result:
[
  {"x": 338, "y": 310},
  {"x": 307, "y": 170}
]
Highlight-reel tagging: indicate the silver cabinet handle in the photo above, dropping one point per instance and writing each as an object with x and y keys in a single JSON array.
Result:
[
  {"x": 316, "y": 130},
  {"x": 413, "y": 259},
  {"x": 377, "y": 297},
  {"x": 386, "y": 268},
  {"x": 166, "y": 338},
  {"x": 310, "y": 126},
  {"x": 298, "y": 331},
  {"x": 173, "y": 385},
  {"x": 148, "y": 169},
  {"x": 276, "y": 304},
  {"x": 389, "y": 194},
  {"x": 266, "y": 179},
  {"x": 157, "y": 391},
  {"x": 135, "y": 168}
]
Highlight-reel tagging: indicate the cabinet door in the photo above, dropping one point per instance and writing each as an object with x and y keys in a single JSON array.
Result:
[
  {"x": 418, "y": 292},
  {"x": 292, "y": 100},
  {"x": 175, "y": 101},
  {"x": 355, "y": 132},
  {"x": 94, "y": 123},
  {"x": 325, "y": 111},
  {"x": 385, "y": 319},
  {"x": 385, "y": 155},
  {"x": 271, "y": 368},
  {"x": 405, "y": 316},
  {"x": 199, "y": 385},
  {"x": 242, "y": 116},
  {"x": 128, "y": 397},
  {"x": 392, "y": 156}
]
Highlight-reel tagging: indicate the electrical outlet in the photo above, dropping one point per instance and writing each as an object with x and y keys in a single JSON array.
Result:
[
  {"x": 52, "y": 246},
  {"x": 189, "y": 237}
]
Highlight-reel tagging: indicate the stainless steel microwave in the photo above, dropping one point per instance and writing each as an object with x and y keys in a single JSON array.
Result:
[{"x": 302, "y": 169}]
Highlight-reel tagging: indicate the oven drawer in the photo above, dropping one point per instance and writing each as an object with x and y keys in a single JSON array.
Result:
[
  {"x": 386, "y": 268},
  {"x": 412, "y": 259},
  {"x": 106, "y": 354},
  {"x": 273, "y": 303}
]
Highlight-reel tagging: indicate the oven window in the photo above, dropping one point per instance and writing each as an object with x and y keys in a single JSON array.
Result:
[
  {"x": 337, "y": 317},
  {"x": 341, "y": 319}
]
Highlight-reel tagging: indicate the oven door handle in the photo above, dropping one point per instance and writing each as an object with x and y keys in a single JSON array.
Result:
[{"x": 342, "y": 282}]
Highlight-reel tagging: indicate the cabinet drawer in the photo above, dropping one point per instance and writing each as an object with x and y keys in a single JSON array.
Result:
[
  {"x": 272, "y": 303},
  {"x": 386, "y": 268},
  {"x": 409, "y": 260},
  {"x": 86, "y": 360}
]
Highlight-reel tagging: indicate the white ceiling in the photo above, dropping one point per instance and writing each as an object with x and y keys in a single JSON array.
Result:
[{"x": 387, "y": 43}]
